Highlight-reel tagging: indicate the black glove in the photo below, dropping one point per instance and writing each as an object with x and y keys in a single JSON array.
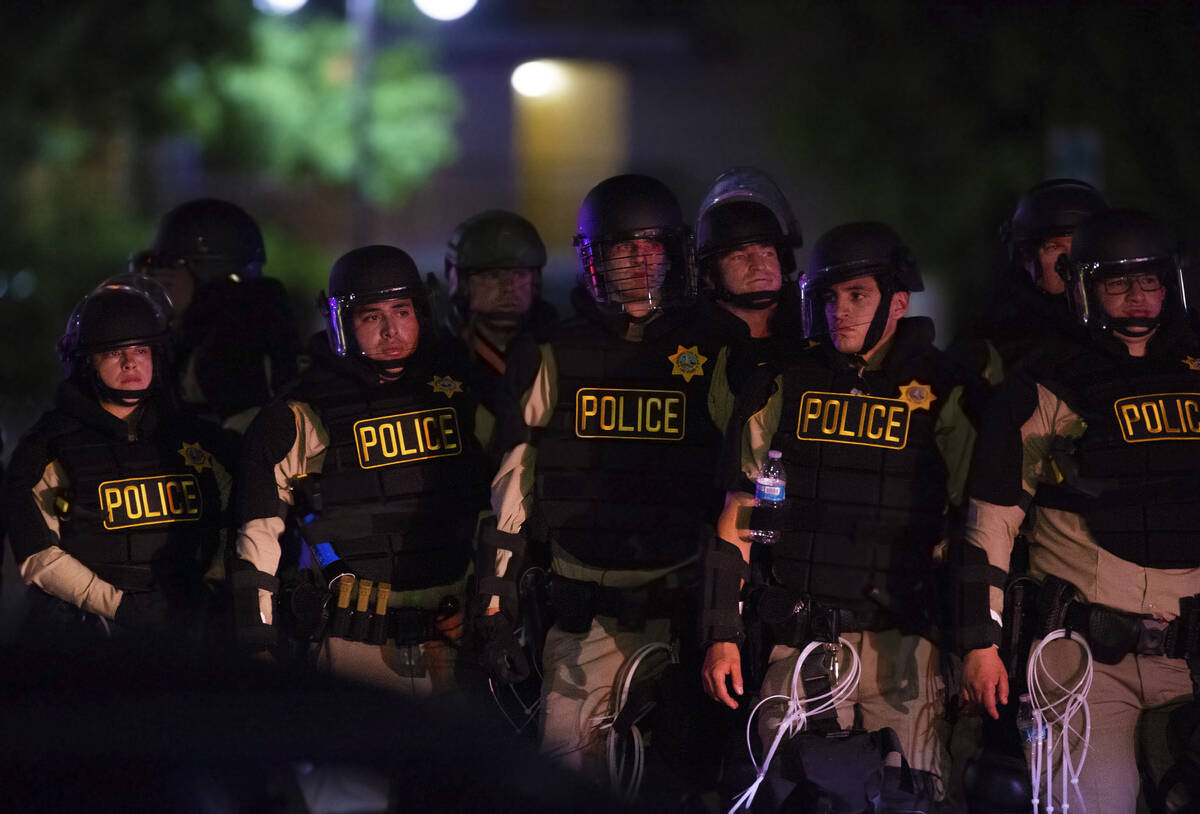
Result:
[
  {"x": 250, "y": 632},
  {"x": 500, "y": 653},
  {"x": 142, "y": 613}
]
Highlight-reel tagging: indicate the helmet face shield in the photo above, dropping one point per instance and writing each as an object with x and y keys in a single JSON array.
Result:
[
  {"x": 339, "y": 311},
  {"x": 1089, "y": 280},
  {"x": 123, "y": 311},
  {"x": 647, "y": 268}
]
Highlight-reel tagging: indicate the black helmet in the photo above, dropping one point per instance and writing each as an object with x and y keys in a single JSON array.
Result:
[
  {"x": 495, "y": 239},
  {"x": 1051, "y": 209},
  {"x": 1121, "y": 243},
  {"x": 364, "y": 275},
  {"x": 744, "y": 207},
  {"x": 211, "y": 238},
  {"x": 123, "y": 311},
  {"x": 627, "y": 208},
  {"x": 850, "y": 251}
]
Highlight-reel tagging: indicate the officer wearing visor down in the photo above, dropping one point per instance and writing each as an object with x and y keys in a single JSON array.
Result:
[
  {"x": 116, "y": 502},
  {"x": 610, "y": 462},
  {"x": 746, "y": 237},
  {"x": 1107, "y": 486},
  {"x": 361, "y": 489},
  {"x": 869, "y": 423},
  {"x": 494, "y": 266}
]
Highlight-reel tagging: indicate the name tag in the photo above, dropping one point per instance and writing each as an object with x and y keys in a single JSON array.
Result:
[
  {"x": 653, "y": 414},
  {"x": 407, "y": 437},
  {"x": 1160, "y": 417},
  {"x": 151, "y": 501},
  {"x": 841, "y": 418}
]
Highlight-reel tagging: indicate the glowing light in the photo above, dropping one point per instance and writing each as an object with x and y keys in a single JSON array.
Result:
[
  {"x": 279, "y": 7},
  {"x": 539, "y": 78},
  {"x": 444, "y": 9}
]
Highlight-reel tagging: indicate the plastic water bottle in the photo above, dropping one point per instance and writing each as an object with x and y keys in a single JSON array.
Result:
[
  {"x": 1029, "y": 723},
  {"x": 770, "y": 490}
]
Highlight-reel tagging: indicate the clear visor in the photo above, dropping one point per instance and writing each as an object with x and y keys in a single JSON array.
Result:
[
  {"x": 651, "y": 268},
  {"x": 752, "y": 184},
  {"x": 337, "y": 311}
]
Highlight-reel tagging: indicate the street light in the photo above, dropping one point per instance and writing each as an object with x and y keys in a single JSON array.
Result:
[
  {"x": 538, "y": 78},
  {"x": 279, "y": 7},
  {"x": 444, "y": 9}
]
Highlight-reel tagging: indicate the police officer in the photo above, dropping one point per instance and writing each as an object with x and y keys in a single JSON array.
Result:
[
  {"x": 494, "y": 266},
  {"x": 236, "y": 340},
  {"x": 869, "y": 426},
  {"x": 1108, "y": 476},
  {"x": 1029, "y": 306},
  {"x": 117, "y": 503},
  {"x": 746, "y": 237},
  {"x": 361, "y": 488},
  {"x": 611, "y": 463}
]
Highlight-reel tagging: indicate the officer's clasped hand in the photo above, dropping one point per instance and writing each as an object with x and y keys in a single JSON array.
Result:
[{"x": 500, "y": 653}]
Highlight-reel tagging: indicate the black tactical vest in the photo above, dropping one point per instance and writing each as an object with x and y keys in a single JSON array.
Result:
[
  {"x": 403, "y": 478},
  {"x": 1138, "y": 461},
  {"x": 142, "y": 514},
  {"x": 866, "y": 486},
  {"x": 626, "y": 469}
]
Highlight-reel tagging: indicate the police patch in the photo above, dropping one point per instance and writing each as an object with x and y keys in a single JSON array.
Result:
[
  {"x": 688, "y": 362},
  {"x": 843, "y": 418},
  {"x": 152, "y": 501},
  {"x": 407, "y": 437},
  {"x": 195, "y": 456},
  {"x": 1159, "y": 417},
  {"x": 614, "y": 413},
  {"x": 445, "y": 385}
]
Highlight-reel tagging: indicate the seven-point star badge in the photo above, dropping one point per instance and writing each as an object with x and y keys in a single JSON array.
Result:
[
  {"x": 195, "y": 456},
  {"x": 917, "y": 395},
  {"x": 1192, "y": 362},
  {"x": 688, "y": 362},
  {"x": 445, "y": 385}
]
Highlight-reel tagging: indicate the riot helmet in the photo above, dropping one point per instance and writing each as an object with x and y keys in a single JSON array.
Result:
[
  {"x": 492, "y": 242},
  {"x": 366, "y": 275},
  {"x": 635, "y": 252},
  {"x": 1050, "y": 209},
  {"x": 210, "y": 238},
  {"x": 848, "y": 252},
  {"x": 122, "y": 312},
  {"x": 744, "y": 207},
  {"x": 1114, "y": 251}
]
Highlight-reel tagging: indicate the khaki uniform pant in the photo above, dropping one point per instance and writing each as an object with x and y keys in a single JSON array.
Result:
[
  {"x": 900, "y": 687},
  {"x": 577, "y": 688},
  {"x": 1120, "y": 693},
  {"x": 385, "y": 666}
]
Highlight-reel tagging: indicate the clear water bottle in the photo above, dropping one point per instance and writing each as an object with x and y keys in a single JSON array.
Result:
[
  {"x": 1030, "y": 723},
  {"x": 770, "y": 490}
]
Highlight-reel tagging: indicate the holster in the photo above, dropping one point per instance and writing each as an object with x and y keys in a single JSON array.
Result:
[{"x": 795, "y": 620}]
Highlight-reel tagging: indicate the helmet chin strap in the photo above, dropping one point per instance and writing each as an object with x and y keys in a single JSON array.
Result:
[
  {"x": 749, "y": 300},
  {"x": 112, "y": 395},
  {"x": 1133, "y": 327},
  {"x": 387, "y": 369},
  {"x": 500, "y": 320}
]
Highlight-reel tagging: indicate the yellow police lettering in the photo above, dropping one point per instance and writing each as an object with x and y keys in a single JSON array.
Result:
[
  {"x": 846, "y": 418},
  {"x": 1159, "y": 417},
  {"x": 406, "y": 437},
  {"x": 149, "y": 501},
  {"x": 629, "y": 413}
]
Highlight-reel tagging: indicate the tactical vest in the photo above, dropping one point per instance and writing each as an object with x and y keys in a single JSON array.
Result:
[
  {"x": 402, "y": 481},
  {"x": 142, "y": 514},
  {"x": 626, "y": 468},
  {"x": 1137, "y": 484},
  {"x": 866, "y": 486}
]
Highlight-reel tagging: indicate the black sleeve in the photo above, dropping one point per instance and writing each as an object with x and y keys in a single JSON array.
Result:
[
  {"x": 758, "y": 389},
  {"x": 27, "y": 530},
  {"x": 268, "y": 440},
  {"x": 995, "y": 475},
  {"x": 524, "y": 360}
]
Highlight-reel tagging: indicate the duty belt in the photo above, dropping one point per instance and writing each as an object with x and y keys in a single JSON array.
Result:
[
  {"x": 577, "y": 602},
  {"x": 795, "y": 620},
  {"x": 1112, "y": 634},
  {"x": 378, "y": 624}
]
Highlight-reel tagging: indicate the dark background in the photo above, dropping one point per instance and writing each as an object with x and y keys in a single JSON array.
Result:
[{"x": 930, "y": 116}]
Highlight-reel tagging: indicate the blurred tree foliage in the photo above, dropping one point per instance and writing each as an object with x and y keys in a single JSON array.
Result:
[
  {"x": 936, "y": 116},
  {"x": 289, "y": 111}
]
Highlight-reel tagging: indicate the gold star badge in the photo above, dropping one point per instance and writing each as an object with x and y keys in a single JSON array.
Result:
[
  {"x": 195, "y": 456},
  {"x": 917, "y": 395},
  {"x": 1192, "y": 362},
  {"x": 688, "y": 362},
  {"x": 445, "y": 385}
]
